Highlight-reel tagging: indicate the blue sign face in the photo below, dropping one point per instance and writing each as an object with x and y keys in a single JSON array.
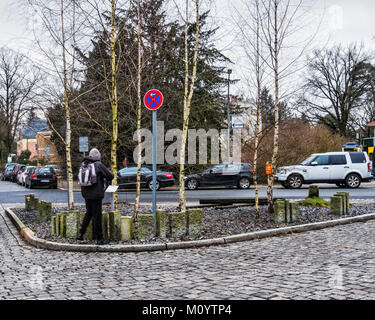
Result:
[
  {"x": 153, "y": 99},
  {"x": 83, "y": 144}
]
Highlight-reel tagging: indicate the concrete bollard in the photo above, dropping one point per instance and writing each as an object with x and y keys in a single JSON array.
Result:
[
  {"x": 145, "y": 226},
  {"x": 279, "y": 214},
  {"x": 337, "y": 205},
  {"x": 63, "y": 224},
  {"x": 126, "y": 229},
  {"x": 313, "y": 191},
  {"x": 72, "y": 224},
  {"x": 345, "y": 195},
  {"x": 105, "y": 226},
  {"x": 45, "y": 210},
  {"x": 194, "y": 222},
  {"x": 177, "y": 224},
  {"x": 114, "y": 225},
  {"x": 89, "y": 232},
  {"x": 294, "y": 211},
  {"x": 161, "y": 227},
  {"x": 287, "y": 211},
  {"x": 53, "y": 225}
]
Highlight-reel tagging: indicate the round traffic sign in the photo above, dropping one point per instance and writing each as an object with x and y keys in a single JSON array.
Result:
[{"x": 153, "y": 99}]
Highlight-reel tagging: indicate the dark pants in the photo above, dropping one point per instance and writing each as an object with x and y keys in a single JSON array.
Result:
[{"x": 94, "y": 211}]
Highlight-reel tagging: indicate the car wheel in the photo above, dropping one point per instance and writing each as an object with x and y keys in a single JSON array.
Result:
[
  {"x": 244, "y": 183},
  {"x": 192, "y": 184},
  {"x": 353, "y": 181},
  {"x": 284, "y": 184},
  {"x": 295, "y": 181},
  {"x": 30, "y": 185},
  {"x": 150, "y": 185}
]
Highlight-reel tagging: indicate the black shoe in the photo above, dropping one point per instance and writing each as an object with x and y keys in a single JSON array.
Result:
[
  {"x": 101, "y": 242},
  {"x": 80, "y": 237}
]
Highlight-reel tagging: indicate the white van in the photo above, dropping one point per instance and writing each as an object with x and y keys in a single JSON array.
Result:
[{"x": 345, "y": 169}]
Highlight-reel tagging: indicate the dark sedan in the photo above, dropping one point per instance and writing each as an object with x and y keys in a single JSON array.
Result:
[
  {"x": 8, "y": 171},
  {"x": 127, "y": 178},
  {"x": 225, "y": 174},
  {"x": 41, "y": 177}
]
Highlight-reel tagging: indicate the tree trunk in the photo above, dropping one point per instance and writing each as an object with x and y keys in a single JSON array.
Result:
[
  {"x": 188, "y": 94},
  {"x": 139, "y": 114},
  {"x": 276, "y": 111},
  {"x": 114, "y": 102}
]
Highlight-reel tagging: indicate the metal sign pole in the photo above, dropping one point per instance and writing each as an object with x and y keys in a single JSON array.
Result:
[{"x": 154, "y": 134}]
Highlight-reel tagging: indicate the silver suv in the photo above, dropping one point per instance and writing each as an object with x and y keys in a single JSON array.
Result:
[{"x": 345, "y": 169}]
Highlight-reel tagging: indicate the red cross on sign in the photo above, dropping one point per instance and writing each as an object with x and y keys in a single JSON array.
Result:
[{"x": 153, "y": 99}]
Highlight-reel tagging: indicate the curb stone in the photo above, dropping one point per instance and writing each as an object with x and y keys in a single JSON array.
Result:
[{"x": 30, "y": 237}]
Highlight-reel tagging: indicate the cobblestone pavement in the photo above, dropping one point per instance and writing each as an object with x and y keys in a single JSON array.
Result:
[{"x": 334, "y": 263}]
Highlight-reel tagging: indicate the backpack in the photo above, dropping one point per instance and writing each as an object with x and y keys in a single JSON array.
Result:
[{"x": 87, "y": 174}]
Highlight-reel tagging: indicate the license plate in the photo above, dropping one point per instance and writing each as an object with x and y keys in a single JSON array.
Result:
[{"x": 44, "y": 180}]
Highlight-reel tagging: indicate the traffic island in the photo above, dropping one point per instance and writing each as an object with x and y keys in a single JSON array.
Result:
[{"x": 206, "y": 226}]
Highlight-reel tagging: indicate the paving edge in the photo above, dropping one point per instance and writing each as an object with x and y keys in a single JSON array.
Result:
[{"x": 30, "y": 237}]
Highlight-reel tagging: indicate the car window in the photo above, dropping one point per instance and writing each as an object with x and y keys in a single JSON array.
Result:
[
  {"x": 128, "y": 170},
  {"x": 357, "y": 157},
  {"x": 218, "y": 168},
  {"x": 308, "y": 160},
  {"x": 44, "y": 170},
  {"x": 338, "y": 159},
  {"x": 322, "y": 160},
  {"x": 145, "y": 170},
  {"x": 233, "y": 168}
]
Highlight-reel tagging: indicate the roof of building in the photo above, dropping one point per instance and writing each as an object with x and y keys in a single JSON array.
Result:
[{"x": 35, "y": 125}]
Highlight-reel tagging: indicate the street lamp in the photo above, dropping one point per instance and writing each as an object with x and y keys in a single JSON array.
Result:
[{"x": 228, "y": 115}]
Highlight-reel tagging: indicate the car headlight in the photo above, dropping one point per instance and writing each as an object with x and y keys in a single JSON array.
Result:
[{"x": 283, "y": 171}]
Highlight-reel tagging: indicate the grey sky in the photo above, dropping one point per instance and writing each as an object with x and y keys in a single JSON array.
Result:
[{"x": 345, "y": 21}]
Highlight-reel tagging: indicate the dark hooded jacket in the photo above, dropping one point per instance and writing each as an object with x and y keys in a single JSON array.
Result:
[{"x": 104, "y": 178}]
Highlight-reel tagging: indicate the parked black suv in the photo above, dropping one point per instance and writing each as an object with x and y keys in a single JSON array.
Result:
[
  {"x": 225, "y": 174},
  {"x": 41, "y": 176}
]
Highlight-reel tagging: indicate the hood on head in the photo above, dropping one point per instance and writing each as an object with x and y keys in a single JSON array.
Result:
[{"x": 94, "y": 154}]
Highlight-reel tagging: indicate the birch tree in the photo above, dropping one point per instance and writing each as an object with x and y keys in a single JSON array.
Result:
[
  {"x": 283, "y": 19},
  {"x": 58, "y": 21},
  {"x": 188, "y": 94},
  {"x": 249, "y": 23},
  {"x": 139, "y": 110},
  {"x": 96, "y": 12}
]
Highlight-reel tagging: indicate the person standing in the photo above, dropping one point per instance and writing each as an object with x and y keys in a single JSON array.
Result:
[{"x": 93, "y": 177}]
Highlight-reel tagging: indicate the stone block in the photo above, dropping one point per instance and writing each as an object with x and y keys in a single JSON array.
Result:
[
  {"x": 53, "y": 225},
  {"x": 145, "y": 226},
  {"x": 337, "y": 205},
  {"x": 287, "y": 211},
  {"x": 345, "y": 195},
  {"x": 313, "y": 191},
  {"x": 114, "y": 225},
  {"x": 89, "y": 232},
  {"x": 279, "y": 211},
  {"x": 126, "y": 228},
  {"x": 194, "y": 222},
  {"x": 45, "y": 210},
  {"x": 72, "y": 224},
  {"x": 105, "y": 226},
  {"x": 177, "y": 224},
  {"x": 63, "y": 224},
  {"x": 57, "y": 223},
  {"x": 161, "y": 227},
  {"x": 31, "y": 203},
  {"x": 294, "y": 211}
]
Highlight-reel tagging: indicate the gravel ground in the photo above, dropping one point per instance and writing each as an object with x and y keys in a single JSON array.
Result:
[{"x": 216, "y": 222}]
